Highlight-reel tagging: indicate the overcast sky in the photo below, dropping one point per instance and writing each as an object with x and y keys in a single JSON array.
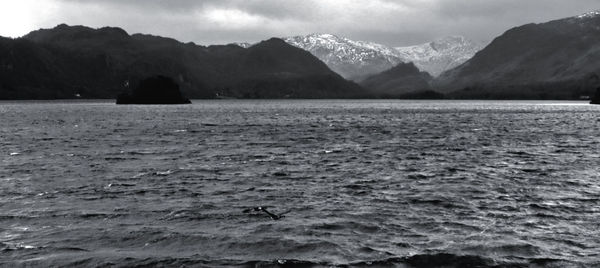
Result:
[{"x": 391, "y": 22}]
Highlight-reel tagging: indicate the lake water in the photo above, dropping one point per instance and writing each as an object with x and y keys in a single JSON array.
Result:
[{"x": 364, "y": 183}]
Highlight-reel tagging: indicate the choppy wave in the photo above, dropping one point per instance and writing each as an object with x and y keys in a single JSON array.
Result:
[
  {"x": 357, "y": 183},
  {"x": 423, "y": 260}
]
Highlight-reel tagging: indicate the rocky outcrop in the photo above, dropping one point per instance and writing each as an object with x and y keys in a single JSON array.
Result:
[{"x": 154, "y": 90}]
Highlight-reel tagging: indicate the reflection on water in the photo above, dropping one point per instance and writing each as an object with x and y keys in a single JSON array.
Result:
[{"x": 383, "y": 183}]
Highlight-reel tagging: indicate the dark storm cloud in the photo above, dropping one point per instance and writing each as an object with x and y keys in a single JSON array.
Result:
[{"x": 393, "y": 22}]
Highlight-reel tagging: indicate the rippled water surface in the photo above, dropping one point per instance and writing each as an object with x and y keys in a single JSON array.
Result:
[{"x": 364, "y": 183}]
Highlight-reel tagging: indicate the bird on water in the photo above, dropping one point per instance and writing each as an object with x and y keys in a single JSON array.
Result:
[{"x": 272, "y": 215}]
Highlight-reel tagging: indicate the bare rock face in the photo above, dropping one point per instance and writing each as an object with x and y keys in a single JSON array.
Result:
[{"x": 154, "y": 90}]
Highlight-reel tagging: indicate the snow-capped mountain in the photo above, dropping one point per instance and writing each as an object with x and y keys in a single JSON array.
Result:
[
  {"x": 589, "y": 15},
  {"x": 351, "y": 59},
  {"x": 358, "y": 59},
  {"x": 440, "y": 55},
  {"x": 242, "y": 44}
]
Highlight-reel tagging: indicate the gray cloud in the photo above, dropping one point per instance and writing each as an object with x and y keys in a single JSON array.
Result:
[{"x": 392, "y": 22}]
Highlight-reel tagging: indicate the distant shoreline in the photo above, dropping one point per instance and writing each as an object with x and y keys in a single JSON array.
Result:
[{"x": 291, "y": 99}]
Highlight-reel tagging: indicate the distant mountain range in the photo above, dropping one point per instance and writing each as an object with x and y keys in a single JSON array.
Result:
[
  {"x": 555, "y": 60},
  {"x": 69, "y": 61},
  {"x": 357, "y": 60},
  {"x": 440, "y": 55}
]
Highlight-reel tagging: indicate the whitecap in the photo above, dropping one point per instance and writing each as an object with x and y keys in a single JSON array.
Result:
[
  {"x": 139, "y": 175},
  {"x": 164, "y": 173}
]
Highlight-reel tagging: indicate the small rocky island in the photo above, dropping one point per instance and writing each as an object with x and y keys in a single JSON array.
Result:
[
  {"x": 154, "y": 90},
  {"x": 596, "y": 97}
]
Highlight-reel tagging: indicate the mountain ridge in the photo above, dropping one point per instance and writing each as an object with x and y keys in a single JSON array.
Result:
[
  {"x": 552, "y": 60},
  {"x": 357, "y": 60},
  {"x": 68, "y": 61}
]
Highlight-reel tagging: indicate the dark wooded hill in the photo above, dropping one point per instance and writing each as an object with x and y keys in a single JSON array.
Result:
[
  {"x": 554, "y": 60},
  {"x": 402, "y": 81},
  {"x": 77, "y": 61}
]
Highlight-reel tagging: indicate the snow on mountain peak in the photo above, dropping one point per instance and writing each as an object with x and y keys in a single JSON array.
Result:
[
  {"x": 449, "y": 42},
  {"x": 591, "y": 14},
  {"x": 358, "y": 59},
  {"x": 242, "y": 44},
  {"x": 351, "y": 59},
  {"x": 440, "y": 55},
  {"x": 323, "y": 35}
]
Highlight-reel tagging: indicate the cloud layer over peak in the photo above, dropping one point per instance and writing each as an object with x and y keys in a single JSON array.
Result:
[{"x": 392, "y": 22}]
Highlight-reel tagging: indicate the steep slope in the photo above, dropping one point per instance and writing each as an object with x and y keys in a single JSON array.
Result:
[
  {"x": 32, "y": 71},
  {"x": 558, "y": 59},
  {"x": 96, "y": 63},
  {"x": 274, "y": 69},
  {"x": 404, "y": 80},
  {"x": 356, "y": 59}
]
